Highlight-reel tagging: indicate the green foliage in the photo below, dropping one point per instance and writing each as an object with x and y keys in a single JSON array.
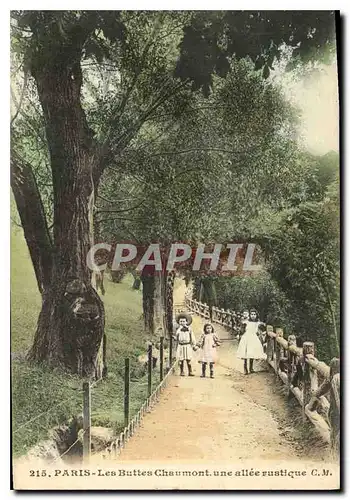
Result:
[
  {"x": 69, "y": 31},
  {"x": 304, "y": 258},
  {"x": 225, "y": 150},
  {"x": 211, "y": 39},
  {"x": 300, "y": 287},
  {"x": 258, "y": 292},
  {"x": 238, "y": 141},
  {"x": 302, "y": 253}
]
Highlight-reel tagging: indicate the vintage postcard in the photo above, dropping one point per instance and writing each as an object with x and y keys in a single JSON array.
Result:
[{"x": 175, "y": 241}]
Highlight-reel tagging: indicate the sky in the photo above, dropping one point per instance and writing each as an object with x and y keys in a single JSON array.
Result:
[{"x": 317, "y": 97}]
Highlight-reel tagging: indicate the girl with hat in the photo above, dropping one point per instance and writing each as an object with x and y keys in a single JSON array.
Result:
[
  {"x": 208, "y": 342},
  {"x": 186, "y": 342}
]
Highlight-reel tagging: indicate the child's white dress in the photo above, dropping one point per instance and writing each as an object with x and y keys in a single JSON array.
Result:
[
  {"x": 250, "y": 346},
  {"x": 186, "y": 342},
  {"x": 208, "y": 353}
]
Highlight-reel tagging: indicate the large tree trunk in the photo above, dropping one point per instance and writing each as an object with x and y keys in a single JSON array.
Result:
[
  {"x": 201, "y": 297},
  {"x": 159, "y": 317},
  {"x": 71, "y": 322},
  {"x": 208, "y": 294},
  {"x": 148, "y": 301},
  {"x": 169, "y": 302},
  {"x": 154, "y": 292}
]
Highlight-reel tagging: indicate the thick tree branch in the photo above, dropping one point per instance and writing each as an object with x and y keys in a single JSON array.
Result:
[
  {"x": 114, "y": 202},
  {"x": 199, "y": 149},
  {"x": 109, "y": 211},
  {"x": 29, "y": 120},
  {"x": 122, "y": 218},
  {"x": 32, "y": 215}
]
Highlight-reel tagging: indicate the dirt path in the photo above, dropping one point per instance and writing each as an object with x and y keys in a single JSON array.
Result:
[{"x": 233, "y": 416}]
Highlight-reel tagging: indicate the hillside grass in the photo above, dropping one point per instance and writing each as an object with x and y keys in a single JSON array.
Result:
[{"x": 52, "y": 395}]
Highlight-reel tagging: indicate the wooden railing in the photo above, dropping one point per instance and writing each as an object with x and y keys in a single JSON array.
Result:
[
  {"x": 302, "y": 373},
  {"x": 299, "y": 370},
  {"x": 224, "y": 318}
]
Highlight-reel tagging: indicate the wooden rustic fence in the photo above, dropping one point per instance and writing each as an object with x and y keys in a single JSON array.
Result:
[
  {"x": 311, "y": 381},
  {"x": 130, "y": 425}
]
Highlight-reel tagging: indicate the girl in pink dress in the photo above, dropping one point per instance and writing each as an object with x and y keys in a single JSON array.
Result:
[{"x": 208, "y": 342}]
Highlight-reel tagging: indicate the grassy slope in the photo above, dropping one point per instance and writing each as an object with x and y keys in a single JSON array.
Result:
[{"x": 36, "y": 389}]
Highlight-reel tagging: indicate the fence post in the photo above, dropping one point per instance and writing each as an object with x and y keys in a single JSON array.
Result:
[
  {"x": 308, "y": 348},
  {"x": 334, "y": 414},
  {"x": 104, "y": 356},
  {"x": 232, "y": 324},
  {"x": 292, "y": 340},
  {"x": 161, "y": 361},
  {"x": 150, "y": 366},
  {"x": 170, "y": 351},
  {"x": 126, "y": 392},
  {"x": 278, "y": 348},
  {"x": 86, "y": 422},
  {"x": 269, "y": 346},
  {"x": 227, "y": 321}
]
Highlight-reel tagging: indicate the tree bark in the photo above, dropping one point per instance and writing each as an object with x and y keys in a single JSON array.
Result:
[
  {"x": 71, "y": 322},
  {"x": 201, "y": 297},
  {"x": 97, "y": 278}
]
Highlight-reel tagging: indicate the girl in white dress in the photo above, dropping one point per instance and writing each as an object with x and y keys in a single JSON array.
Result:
[
  {"x": 186, "y": 343},
  {"x": 208, "y": 342},
  {"x": 250, "y": 346}
]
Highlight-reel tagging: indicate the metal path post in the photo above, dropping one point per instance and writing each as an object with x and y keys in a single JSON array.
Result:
[
  {"x": 150, "y": 366},
  {"x": 170, "y": 351},
  {"x": 86, "y": 422},
  {"x": 126, "y": 392},
  {"x": 104, "y": 356},
  {"x": 161, "y": 355}
]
